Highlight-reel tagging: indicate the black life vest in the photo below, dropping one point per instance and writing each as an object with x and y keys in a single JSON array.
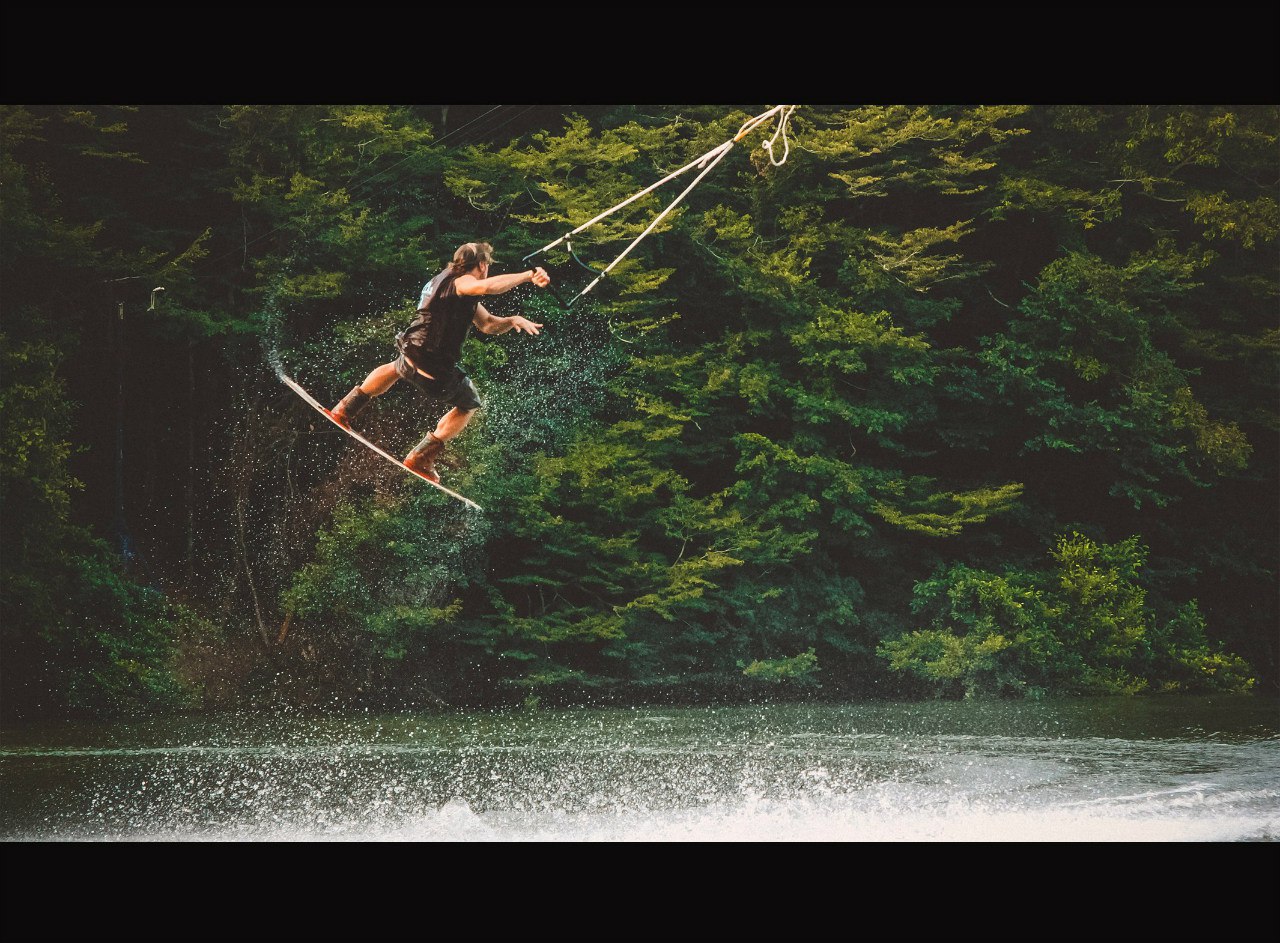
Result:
[{"x": 434, "y": 338}]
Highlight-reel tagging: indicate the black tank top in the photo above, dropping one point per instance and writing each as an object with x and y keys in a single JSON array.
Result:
[{"x": 435, "y": 337}]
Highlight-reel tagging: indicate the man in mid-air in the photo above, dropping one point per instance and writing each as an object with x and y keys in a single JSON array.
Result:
[{"x": 431, "y": 347}]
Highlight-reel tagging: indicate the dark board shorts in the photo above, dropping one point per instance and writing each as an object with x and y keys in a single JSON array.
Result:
[{"x": 451, "y": 385}]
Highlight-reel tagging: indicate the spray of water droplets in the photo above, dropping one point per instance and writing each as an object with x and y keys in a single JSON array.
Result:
[{"x": 881, "y": 772}]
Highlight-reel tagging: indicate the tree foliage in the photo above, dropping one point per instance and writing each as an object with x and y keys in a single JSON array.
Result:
[
  {"x": 824, "y": 429},
  {"x": 1083, "y": 627}
]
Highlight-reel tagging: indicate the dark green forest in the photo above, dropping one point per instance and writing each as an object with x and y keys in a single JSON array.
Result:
[{"x": 957, "y": 401}]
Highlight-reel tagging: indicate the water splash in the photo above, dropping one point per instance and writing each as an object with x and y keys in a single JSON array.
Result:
[{"x": 753, "y": 774}]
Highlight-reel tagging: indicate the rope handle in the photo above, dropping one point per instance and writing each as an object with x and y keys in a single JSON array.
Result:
[{"x": 783, "y": 113}]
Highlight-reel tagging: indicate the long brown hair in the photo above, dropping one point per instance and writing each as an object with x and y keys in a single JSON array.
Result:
[{"x": 470, "y": 256}]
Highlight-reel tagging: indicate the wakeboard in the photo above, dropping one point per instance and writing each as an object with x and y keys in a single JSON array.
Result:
[{"x": 314, "y": 404}]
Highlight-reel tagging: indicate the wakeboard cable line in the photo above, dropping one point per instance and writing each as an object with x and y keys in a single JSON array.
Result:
[{"x": 715, "y": 155}]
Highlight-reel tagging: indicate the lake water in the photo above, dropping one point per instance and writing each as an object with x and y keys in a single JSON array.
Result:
[{"x": 1132, "y": 769}]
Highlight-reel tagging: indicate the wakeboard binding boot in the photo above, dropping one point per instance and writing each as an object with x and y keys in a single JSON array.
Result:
[
  {"x": 351, "y": 406},
  {"x": 423, "y": 457}
]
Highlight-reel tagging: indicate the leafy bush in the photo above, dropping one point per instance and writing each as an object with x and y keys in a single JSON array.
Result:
[{"x": 1082, "y": 627}]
